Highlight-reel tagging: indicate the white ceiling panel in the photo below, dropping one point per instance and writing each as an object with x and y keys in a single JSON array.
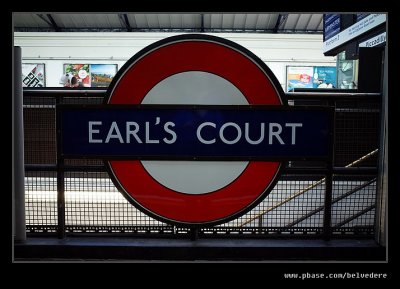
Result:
[
  {"x": 303, "y": 21},
  {"x": 271, "y": 21},
  {"x": 315, "y": 22},
  {"x": 291, "y": 22},
  {"x": 164, "y": 20},
  {"x": 191, "y": 20},
  {"x": 265, "y": 21},
  {"x": 152, "y": 21},
  {"x": 78, "y": 20},
  {"x": 29, "y": 20},
  {"x": 217, "y": 20},
  {"x": 239, "y": 21}
]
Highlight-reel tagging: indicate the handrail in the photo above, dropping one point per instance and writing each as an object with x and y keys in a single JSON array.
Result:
[
  {"x": 62, "y": 92},
  {"x": 341, "y": 197},
  {"x": 331, "y": 95},
  {"x": 299, "y": 193},
  {"x": 351, "y": 218},
  {"x": 101, "y": 91}
]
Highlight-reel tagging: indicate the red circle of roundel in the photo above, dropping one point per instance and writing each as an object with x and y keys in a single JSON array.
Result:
[{"x": 195, "y": 53}]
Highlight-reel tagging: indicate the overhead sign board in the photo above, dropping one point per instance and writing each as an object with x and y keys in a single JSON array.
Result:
[
  {"x": 365, "y": 24},
  {"x": 195, "y": 130},
  {"x": 331, "y": 25},
  {"x": 374, "y": 41}
]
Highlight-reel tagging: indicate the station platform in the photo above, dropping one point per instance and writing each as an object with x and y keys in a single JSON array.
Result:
[{"x": 122, "y": 248}]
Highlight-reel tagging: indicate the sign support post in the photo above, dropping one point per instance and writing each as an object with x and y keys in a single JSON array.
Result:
[{"x": 18, "y": 150}]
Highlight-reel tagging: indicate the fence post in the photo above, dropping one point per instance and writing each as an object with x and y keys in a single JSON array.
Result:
[
  {"x": 327, "y": 229},
  {"x": 328, "y": 203},
  {"x": 60, "y": 181},
  {"x": 18, "y": 150},
  {"x": 382, "y": 181},
  {"x": 194, "y": 233}
]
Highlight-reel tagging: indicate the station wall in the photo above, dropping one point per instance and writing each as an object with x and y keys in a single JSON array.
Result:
[{"x": 57, "y": 48}]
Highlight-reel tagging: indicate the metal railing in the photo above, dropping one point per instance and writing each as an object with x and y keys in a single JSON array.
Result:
[{"x": 313, "y": 199}]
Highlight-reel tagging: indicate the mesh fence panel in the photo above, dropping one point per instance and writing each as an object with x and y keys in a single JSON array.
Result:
[
  {"x": 41, "y": 198},
  {"x": 287, "y": 203},
  {"x": 356, "y": 131},
  {"x": 295, "y": 205},
  {"x": 40, "y": 130},
  {"x": 93, "y": 200},
  {"x": 353, "y": 202}
]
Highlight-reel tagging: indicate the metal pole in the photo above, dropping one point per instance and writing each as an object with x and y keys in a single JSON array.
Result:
[
  {"x": 382, "y": 183},
  {"x": 328, "y": 203},
  {"x": 60, "y": 199},
  {"x": 327, "y": 229},
  {"x": 60, "y": 181},
  {"x": 18, "y": 150}
]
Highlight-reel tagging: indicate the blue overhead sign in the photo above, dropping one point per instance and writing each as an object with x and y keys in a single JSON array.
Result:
[
  {"x": 331, "y": 25},
  {"x": 237, "y": 132},
  {"x": 365, "y": 23},
  {"x": 361, "y": 16}
]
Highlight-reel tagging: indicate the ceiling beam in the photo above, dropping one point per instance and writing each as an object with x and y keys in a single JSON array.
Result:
[
  {"x": 124, "y": 19},
  {"x": 44, "y": 18},
  {"x": 53, "y": 23},
  {"x": 49, "y": 21},
  {"x": 281, "y": 18},
  {"x": 202, "y": 22}
]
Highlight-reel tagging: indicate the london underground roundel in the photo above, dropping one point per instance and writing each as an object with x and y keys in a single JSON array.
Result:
[{"x": 195, "y": 70}]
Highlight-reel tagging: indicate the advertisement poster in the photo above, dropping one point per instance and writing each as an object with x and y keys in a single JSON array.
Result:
[
  {"x": 299, "y": 77},
  {"x": 80, "y": 71},
  {"x": 33, "y": 75},
  {"x": 311, "y": 77},
  {"x": 102, "y": 74},
  {"x": 325, "y": 77},
  {"x": 92, "y": 75}
]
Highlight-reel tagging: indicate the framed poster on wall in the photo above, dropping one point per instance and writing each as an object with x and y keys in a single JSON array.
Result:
[
  {"x": 80, "y": 71},
  {"x": 299, "y": 77},
  {"x": 33, "y": 75},
  {"x": 92, "y": 75},
  {"x": 325, "y": 77},
  {"x": 102, "y": 74},
  {"x": 313, "y": 77}
]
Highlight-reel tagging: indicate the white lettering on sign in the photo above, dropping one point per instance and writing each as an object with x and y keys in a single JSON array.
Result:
[
  {"x": 274, "y": 131},
  {"x": 293, "y": 126},
  {"x": 171, "y": 132},
  {"x": 92, "y": 131},
  {"x": 198, "y": 132},
  {"x": 246, "y": 133},
  {"x": 236, "y": 132},
  {"x": 131, "y": 132},
  {"x": 114, "y": 133}
]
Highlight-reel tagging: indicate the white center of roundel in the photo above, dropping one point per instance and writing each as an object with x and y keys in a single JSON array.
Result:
[{"x": 195, "y": 87}]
